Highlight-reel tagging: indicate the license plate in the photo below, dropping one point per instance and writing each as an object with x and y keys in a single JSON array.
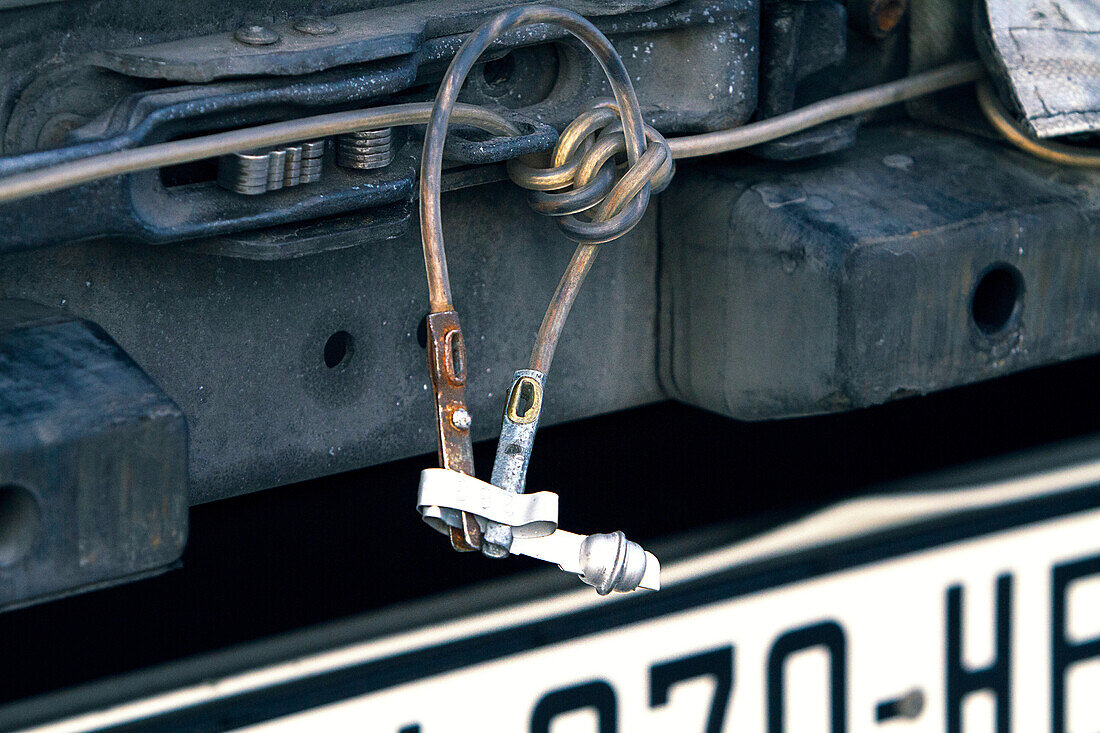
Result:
[{"x": 968, "y": 611}]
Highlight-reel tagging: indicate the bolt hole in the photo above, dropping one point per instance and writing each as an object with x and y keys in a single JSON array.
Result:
[
  {"x": 889, "y": 15},
  {"x": 498, "y": 72},
  {"x": 996, "y": 299},
  {"x": 524, "y": 401},
  {"x": 453, "y": 343},
  {"x": 19, "y": 523},
  {"x": 338, "y": 349}
]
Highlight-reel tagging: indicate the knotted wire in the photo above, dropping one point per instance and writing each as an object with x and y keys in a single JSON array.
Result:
[
  {"x": 615, "y": 213},
  {"x": 593, "y": 198},
  {"x": 584, "y": 176},
  {"x": 431, "y": 164}
]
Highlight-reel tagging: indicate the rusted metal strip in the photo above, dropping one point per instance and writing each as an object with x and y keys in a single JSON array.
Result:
[{"x": 447, "y": 367}]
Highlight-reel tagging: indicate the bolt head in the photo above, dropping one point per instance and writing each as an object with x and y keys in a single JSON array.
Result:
[
  {"x": 311, "y": 25},
  {"x": 461, "y": 419},
  {"x": 256, "y": 35}
]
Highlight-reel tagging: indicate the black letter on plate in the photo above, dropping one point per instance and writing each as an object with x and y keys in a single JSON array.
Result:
[
  {"x": 597, "y": 695},
  {"x": 1063, "y": 651},
  {"x": 828, "y": 634},
  {"x": 717, "y": 664},
  {"x": 996, "y": 677}
]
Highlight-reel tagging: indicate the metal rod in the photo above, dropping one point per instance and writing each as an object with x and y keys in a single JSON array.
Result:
[{"x": 546, "y": 343}]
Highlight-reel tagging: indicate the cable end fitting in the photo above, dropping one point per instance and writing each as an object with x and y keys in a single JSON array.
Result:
[{"x": 612, "y": 562}]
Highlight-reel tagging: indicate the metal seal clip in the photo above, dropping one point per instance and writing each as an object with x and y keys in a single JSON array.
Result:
[
  {"x": 517, "y": 438},
  {"x": 607, "y": 562}
]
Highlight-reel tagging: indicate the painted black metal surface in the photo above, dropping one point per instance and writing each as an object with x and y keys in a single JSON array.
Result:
[
  {"x": 917, "y": 261},
  {"x": 93, "y": 484},
  {"x": 239, "y": 343}
]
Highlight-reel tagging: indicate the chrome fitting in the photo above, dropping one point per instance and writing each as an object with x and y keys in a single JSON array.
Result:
[{"x": 612, "y": 562}]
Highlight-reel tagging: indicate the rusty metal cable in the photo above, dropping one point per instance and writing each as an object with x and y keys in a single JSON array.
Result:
[
  {"x": 584, "y": 159},
  {"x": 431, "y": 166}
]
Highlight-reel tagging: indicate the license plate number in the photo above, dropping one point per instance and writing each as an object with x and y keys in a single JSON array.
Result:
[{"x": 999, "y": 633}]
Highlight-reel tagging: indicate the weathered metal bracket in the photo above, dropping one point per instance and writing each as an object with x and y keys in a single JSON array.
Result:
[
  {"x": 93, "y": 460},
  {"x": 447, "y": 367},
  {"x": 311, "y": 73},
  {"x": 297, "y": 47}
]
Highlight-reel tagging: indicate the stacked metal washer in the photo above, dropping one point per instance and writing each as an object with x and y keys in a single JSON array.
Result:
[
  {"x": 260, "y": 172},
  {"x": 365, "y": 149}
]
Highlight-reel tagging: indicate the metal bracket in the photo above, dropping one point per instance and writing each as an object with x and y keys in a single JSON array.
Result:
[
  {"x": 447, "y": 367},
  {"x": 93, "y": 460},
  {"x": 517, "y": 437},
  {"x": 290, "y": 48}
]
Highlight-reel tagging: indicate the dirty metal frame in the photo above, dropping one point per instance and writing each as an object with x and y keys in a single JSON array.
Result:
[{"x": 390, "y": 60}]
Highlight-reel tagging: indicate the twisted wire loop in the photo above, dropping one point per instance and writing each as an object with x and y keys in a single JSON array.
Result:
[
  {"x": 587, "y": 176},
  {"x": 445, "y": 349}
]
